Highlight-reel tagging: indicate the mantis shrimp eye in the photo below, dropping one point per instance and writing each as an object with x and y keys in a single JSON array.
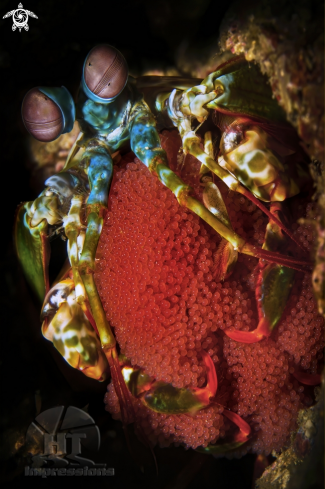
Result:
[
  {"x": 42, "y": 117},
  {"x": 105, "y": 73}
]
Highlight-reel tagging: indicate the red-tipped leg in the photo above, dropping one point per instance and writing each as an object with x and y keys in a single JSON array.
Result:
[
  {"x": 271, "y": 215},
  {"x": 204, "y": 395},
  {"x": 212, "y": 384},
  {"x": 90, "y": 318},
  {"x": 262, "y": 331},
  {"x": 123, "y": 394},
  {"x": 274, "y": 257},
  {"x": 274, "y": 284},
  {"x": 244, "y": 428}
]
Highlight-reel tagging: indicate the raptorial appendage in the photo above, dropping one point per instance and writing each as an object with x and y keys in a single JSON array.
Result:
[{"x": 67, "y": 326}]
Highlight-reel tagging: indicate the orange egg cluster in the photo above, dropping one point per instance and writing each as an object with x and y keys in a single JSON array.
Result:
[
  {"x": 301, "y": 330},
  {"x": 263, "y": 392},
  {"x": 157, "y": 282},
  {"x": 155, "y": 279}
]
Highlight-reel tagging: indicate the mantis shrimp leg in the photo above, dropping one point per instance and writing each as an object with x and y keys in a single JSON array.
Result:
[{"x": 143, "y": 131}]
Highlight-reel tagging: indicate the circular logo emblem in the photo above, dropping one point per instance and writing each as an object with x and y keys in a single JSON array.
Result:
[
  {"x": 20, "y": 18},
  {"x": 58, "y": 435}
]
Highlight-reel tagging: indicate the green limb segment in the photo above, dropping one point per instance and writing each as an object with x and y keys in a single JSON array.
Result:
[
  {"x": 275, "y": 283},
  {"x": 168, "y": 399},
  {"x": 274, "y": 286},
  {"x": 93, "y": 232},
  {"x": 33, "y": 251},
  {"x": 86, "y": 268},
  {"x": 242, "y": 89},
  {"x": 32, "y": 226},
  {"x": 164, "y": 398},
  {"x": 104, "y": 330}
]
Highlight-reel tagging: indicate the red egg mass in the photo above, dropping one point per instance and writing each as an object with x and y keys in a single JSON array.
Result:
[{"x": 156, "y": 278}]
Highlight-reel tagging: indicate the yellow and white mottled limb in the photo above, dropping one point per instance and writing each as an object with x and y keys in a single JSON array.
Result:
[
  {"x": 225, "y": 257},
  {"x": 46, "y": 206},
  {"x": 191, "y": 142},
  {"x": 256, "y": 166},
  {"x": 245, "y": 158},
  {"x": 75, "y": 233},
  {"x": 193, "y": 101},
  {"x": 71, "y": 333},
  {"x": 208, "y": 149},
  {"x": 208, "y": 144}
]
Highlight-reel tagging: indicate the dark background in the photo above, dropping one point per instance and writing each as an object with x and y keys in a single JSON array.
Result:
[{"x": 151, "y": 34}]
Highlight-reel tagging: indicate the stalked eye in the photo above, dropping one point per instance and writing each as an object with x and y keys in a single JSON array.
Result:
[
  {"x": 42, "y": 116},
  {"x": 112, "y": 67}
]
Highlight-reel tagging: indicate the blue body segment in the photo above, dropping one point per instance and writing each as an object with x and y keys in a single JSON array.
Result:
[
  {"x": 125, "y": 122},
  {"x": 100, "y": 171},
  {"x": 144, "y": 138},
  {"x": 104, "y": 119}
]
